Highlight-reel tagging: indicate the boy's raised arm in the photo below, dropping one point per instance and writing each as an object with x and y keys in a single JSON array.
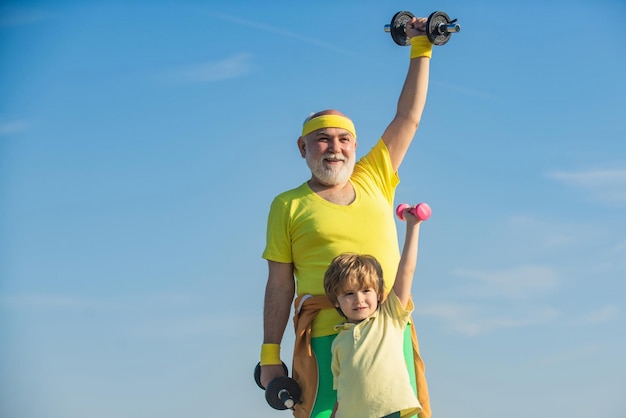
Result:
[{"x": 408, "y": 260}]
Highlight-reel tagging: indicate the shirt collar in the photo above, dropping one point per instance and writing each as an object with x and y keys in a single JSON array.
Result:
[{"x": 350, "y": 325}]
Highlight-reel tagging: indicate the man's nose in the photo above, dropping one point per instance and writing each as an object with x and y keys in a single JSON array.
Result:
[{"x": 334, "y": 145}]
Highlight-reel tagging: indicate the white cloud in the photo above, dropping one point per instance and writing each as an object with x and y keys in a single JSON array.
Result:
[
  {"x": 473, "y": 320},
  {"x": 54, "y": 302},
  {"x": 514, "y": 283},
  {"x": 544, "y": 234},
  {"x": 240, "y": 22},
  {"x": 599, "y": 316},
  {"x": 18, "y": 17},
  {"x": 602, "y": 242},
  {"x": 215, "y": 325},
  {"x": 154, "y": 315},
  {"x": 572, "y": 355},
  {"x": 504, "y": 296},
  {"x": 144, "y": 303},
  {"x": 467, "y": 91},
  {"x": 8, "y": 128},
  {"x": 604, "y": 185},
  {"x": 227, "y": 68}
]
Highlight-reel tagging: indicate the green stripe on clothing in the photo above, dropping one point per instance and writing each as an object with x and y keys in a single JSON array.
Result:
[{"x": 326, "y": 395}]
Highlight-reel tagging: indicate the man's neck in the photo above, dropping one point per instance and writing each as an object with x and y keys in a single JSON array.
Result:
[{"x": 339, "y": 194}]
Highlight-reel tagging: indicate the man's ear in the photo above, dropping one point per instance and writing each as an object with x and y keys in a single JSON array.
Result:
[{"x": 302, "y": 147}]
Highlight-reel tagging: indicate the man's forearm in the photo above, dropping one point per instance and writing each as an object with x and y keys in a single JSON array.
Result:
[
  {"x": 401, "y": 130},
  {"x": 277, "y": 307},
  {"x": 413, "y": 96}
]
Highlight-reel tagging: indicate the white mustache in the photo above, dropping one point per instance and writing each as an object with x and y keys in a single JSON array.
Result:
[{"x": 337, "y": 157}]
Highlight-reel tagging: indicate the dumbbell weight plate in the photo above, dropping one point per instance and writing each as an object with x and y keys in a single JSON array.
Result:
[
  {"x": 432, "y": 28},
  {"x": 400, "y": 210},
  {"x": 398, "y": 27},
  {"x": 276, "y": 386},
  {"x": 423, "y": 211}
]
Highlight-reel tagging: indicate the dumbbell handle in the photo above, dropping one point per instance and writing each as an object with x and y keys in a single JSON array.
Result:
[
  {"x": 449, "y": 28},
  {"x": 442, "y": 28},
  {"x": 286, "y": 398},
  {"x": 422, "y": 211}
]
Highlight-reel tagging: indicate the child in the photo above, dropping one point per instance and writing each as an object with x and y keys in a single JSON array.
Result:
[{"x": 369, "y": 370}]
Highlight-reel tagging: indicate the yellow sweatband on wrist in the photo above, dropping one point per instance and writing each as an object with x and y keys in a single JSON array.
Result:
[
  {"x": 421, "y": 47},
  {"x": 328, "y": 121},
  {"x": 270, "y": 354}
]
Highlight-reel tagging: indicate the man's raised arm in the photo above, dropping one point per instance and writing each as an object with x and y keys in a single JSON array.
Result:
[{"x": 400, "y": 132}]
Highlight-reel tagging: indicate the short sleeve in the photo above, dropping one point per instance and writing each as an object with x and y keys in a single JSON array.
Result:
[{"x": 278, "y": 240}]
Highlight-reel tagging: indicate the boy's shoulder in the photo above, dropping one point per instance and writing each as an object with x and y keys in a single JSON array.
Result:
[{"x": 392, "y": 306}]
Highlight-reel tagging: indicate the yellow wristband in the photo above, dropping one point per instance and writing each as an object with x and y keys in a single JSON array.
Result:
[
  {"x": 270, "y": 354},
  {"x": 421, "y": 47}
]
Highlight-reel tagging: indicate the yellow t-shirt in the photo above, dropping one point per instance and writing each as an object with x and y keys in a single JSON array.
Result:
[
  {"x": 369, "y": 369},
  {"x": 308, "y": 231}
]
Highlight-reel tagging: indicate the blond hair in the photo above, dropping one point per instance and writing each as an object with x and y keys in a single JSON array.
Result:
[{"x": 353, "y": 271}]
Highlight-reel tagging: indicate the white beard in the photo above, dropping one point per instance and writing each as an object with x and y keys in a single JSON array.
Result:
[{"x": 330, "y": 176}]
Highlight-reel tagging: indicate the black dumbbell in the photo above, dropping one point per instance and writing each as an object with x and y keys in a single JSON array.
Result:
[
  {"x": 282, "y": 392},
  {"x": 439, "y": 27}
]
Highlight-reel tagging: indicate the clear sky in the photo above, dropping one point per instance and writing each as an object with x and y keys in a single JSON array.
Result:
[{"x": 141, "y": 143}]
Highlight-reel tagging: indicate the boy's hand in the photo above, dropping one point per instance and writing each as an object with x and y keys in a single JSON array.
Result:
[{"x": 410, "y": 217}]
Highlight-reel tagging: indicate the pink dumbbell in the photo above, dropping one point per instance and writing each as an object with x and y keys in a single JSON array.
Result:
[{"x": 422, "y": 211}]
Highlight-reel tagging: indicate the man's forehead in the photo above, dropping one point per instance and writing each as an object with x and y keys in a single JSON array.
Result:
[
  {"x": 333, "y": 132},
  {"x": 328, "y": 121}
]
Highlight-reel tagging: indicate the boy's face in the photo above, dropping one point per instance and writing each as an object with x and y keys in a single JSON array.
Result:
[{"x": 358, "y": 304}]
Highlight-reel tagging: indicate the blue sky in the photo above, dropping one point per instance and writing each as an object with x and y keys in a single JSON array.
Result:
[{"x": 141, "y": 144}]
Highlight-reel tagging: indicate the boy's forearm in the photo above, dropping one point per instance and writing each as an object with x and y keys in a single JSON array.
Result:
[{"x": 408, "y": 262}]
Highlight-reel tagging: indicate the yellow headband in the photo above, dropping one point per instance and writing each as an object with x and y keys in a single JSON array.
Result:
[{"x": 328, "y": 121}]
